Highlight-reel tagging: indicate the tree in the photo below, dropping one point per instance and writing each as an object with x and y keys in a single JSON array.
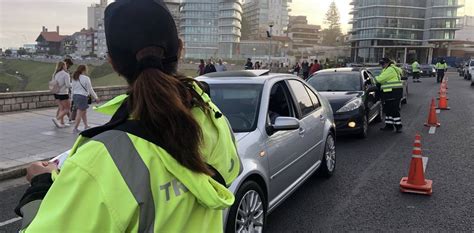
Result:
[
  {"x": 22, "y": 51},
  {"x": 8, "y": 52},
  {"x": 333, "y": 30}
]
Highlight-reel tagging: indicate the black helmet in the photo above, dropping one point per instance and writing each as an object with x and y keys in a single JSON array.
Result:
[{"x": 384, "y": 61}]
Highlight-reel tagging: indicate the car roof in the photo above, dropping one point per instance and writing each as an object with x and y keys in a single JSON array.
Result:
[
  {"x": 344, "y": 69},
  {"x": 241, "y": 76}
]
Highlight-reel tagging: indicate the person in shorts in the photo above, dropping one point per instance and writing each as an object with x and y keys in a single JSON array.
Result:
[
  {"x": 62, "y": 97},
  {"x": 81, "y": 90}
]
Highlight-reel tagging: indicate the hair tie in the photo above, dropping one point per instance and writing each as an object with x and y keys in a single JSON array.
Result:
[{"x": 149, "y": 62}]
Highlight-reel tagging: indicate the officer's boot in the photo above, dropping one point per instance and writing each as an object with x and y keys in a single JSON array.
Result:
[
  {"x": 388, "y": 127},
  {"x": 398, "y": 128}
]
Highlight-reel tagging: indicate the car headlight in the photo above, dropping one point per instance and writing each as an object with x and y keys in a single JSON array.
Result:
[
  {"x": 351, "y": 105},
  {"x": 433, "y": 70}
]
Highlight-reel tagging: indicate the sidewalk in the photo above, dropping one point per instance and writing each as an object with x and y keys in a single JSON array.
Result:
[{"x": 31, "y": 136}]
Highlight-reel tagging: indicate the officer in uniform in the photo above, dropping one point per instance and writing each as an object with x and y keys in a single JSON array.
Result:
[
  {"x": 163, "y": 161},
  {"x": 416, "y": 71},
  {"x": 441, "y": 68},
  {"x": 392, "y": 91}
]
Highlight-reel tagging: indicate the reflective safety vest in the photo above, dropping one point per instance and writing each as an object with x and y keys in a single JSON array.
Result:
[
  {"x": 390, "y": 78},
  {"x": 119, "y": 182},
  {"x": 442, "y": 66},
  {"x": 415, "y": 67}
]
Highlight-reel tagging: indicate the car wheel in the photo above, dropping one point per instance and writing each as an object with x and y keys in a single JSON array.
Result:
[
  {"x": 328, "y": 164},
  {"x": 249, "y": 212},
  {"x": 365, "y": 128}
]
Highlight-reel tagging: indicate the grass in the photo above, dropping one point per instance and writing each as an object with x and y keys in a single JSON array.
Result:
[{"x": 39, "y": 74}]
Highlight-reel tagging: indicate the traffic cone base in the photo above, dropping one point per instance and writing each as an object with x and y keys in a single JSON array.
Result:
[
  {"x": 426, "y": 189},
  {"x": 446, "y": 108},
  {"x": 433, "y": 125}
]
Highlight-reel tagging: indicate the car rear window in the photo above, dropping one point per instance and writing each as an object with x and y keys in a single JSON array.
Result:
[
  {"x": 336, "y": 81},
  {"x": 240, "y": 103}
]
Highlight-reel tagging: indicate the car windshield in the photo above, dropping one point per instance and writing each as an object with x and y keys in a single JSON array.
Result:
[
  {"x": 239, "y": 103},
  {"x": 375, "y": 71},
  {"x": 337, "y": 81}
]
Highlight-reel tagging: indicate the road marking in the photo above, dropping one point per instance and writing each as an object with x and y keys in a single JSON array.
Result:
[
  {"x": 432, "y": 130},
  {"x": 10, "y": 221},
  {"x": 425, "y": 163}
]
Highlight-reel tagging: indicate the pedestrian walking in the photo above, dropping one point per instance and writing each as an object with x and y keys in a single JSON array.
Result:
[
  {"x": 82, "y": 95},
  {"x": 210, "y": 68},
  {"x": 441, "y": 68},
  {"x": 296, "y": 69},
  {"x": 220, "y": 67},
  {"x": 257, "y": 65},
  {"x": 416, "y": 71},
  {"x": 164, "y": 160},
  {"x": 73, "y": 111},
  {"x": 63, "y": 81},
  {"x": 201, "y": 68},
  {"x": 249, "y": 64},
  {"x": 305, "y": 69},
  {"x": 315, "y": 68},
  {"x": 392, "y": 91}
]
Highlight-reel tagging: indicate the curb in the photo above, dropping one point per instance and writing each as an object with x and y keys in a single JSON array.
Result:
[{"x": 13, "y": 173}]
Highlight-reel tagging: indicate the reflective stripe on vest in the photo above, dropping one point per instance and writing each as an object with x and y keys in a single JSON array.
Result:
[{"x": 134, "y": 172}]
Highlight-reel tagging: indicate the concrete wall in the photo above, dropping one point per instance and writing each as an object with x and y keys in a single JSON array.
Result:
[{"x": 17, "y": 101}]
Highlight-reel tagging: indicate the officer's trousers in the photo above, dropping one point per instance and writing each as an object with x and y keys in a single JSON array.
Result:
[
  {"x": 440, "y": 76},
  {"x": 391, "y": 107}
]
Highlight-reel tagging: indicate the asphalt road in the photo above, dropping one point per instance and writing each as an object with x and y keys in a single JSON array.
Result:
[{"x": 363, "y": 195}]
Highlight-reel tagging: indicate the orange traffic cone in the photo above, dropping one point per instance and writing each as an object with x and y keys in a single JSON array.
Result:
[
  {"x": 432, "y": 118},
  {"x": 416, "y": 182},
  {"x": 443, "y": 102}
]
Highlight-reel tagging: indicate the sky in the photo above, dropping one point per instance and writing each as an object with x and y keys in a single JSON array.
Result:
[{"x": 21, "y": 20}]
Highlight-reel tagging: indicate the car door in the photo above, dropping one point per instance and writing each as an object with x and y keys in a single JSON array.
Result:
[
  {"x": 280, "y": 145},
  {"x": 310, "y": 114},
  {"x": 371, "y": 102}
]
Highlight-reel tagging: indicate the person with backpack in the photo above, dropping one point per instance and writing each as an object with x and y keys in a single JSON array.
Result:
[
  {"x": 59, "y": 86},
  {"x": 164, "y": 161},
  {"x": 82, "y": 96}
]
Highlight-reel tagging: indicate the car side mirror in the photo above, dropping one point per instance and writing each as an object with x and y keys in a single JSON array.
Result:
[{"x": 286, "y": 123}]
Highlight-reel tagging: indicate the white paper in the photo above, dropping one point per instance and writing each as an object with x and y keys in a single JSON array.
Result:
[{"x": 59, "y": 160}]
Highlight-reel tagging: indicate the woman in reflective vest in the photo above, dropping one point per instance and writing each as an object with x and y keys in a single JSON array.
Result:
[
  {"x": 162, "y": 162},
  {"x": 392, "y": 92}
]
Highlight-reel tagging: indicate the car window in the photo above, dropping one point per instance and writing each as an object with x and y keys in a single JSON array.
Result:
[
  {"x": 302, "y": 98},
  {"x": 472, "y": 63},
  {"x": 240, "y": 103},
  {"x": 336, "y": 81},
  {"x": 280, "y": 103},
  {"x": 313, "y": 97}
]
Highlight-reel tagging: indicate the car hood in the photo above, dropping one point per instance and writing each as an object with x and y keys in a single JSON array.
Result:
[
  {"x": 240, "y": 136},
  {"x": 339, "y": 98}
]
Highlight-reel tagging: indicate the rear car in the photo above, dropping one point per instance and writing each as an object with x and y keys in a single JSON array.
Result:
[
  {"x": 284, "y": 131},
  {"x": 469, "y": 71},
  {"x": 353, "y": 95},
  {"x": 427, "y": 70}
]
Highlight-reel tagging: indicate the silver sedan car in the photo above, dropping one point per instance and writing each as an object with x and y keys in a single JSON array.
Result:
[{"x": 285, "y": 132}]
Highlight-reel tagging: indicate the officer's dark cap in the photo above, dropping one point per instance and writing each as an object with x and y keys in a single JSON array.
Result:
[
  {"x": 384, "y": 61},
  {"x": 132, "y": 25}
]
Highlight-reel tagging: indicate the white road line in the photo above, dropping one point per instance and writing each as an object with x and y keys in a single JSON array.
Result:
[
  {"x": 432, "y": 130},
  {"x": 10, "y": 221}
]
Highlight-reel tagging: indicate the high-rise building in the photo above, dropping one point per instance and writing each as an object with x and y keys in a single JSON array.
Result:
[
  {"x": 211, "y": 28},
  {"x": 174, "y": 7},
  {"x": 466, "y": 32},
  {"x": 402, "y": 30},
  {"x": 100, "y": 44},
  {"x": 95, "y": 14},
  {"x": 260, "y": 14},
  {"x": 302, "y": 34}
]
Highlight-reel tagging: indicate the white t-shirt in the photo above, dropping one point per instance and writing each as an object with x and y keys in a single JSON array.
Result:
[
  {"x": 64, "y": 82},
  {"x": 83, "y": 86}
]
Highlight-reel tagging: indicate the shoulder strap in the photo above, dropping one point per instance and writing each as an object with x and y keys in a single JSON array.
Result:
[{"x": 79, "y": 80}]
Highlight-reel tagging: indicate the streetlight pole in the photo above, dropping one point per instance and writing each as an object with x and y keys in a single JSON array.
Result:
[{"x": 271, "y": 35}]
